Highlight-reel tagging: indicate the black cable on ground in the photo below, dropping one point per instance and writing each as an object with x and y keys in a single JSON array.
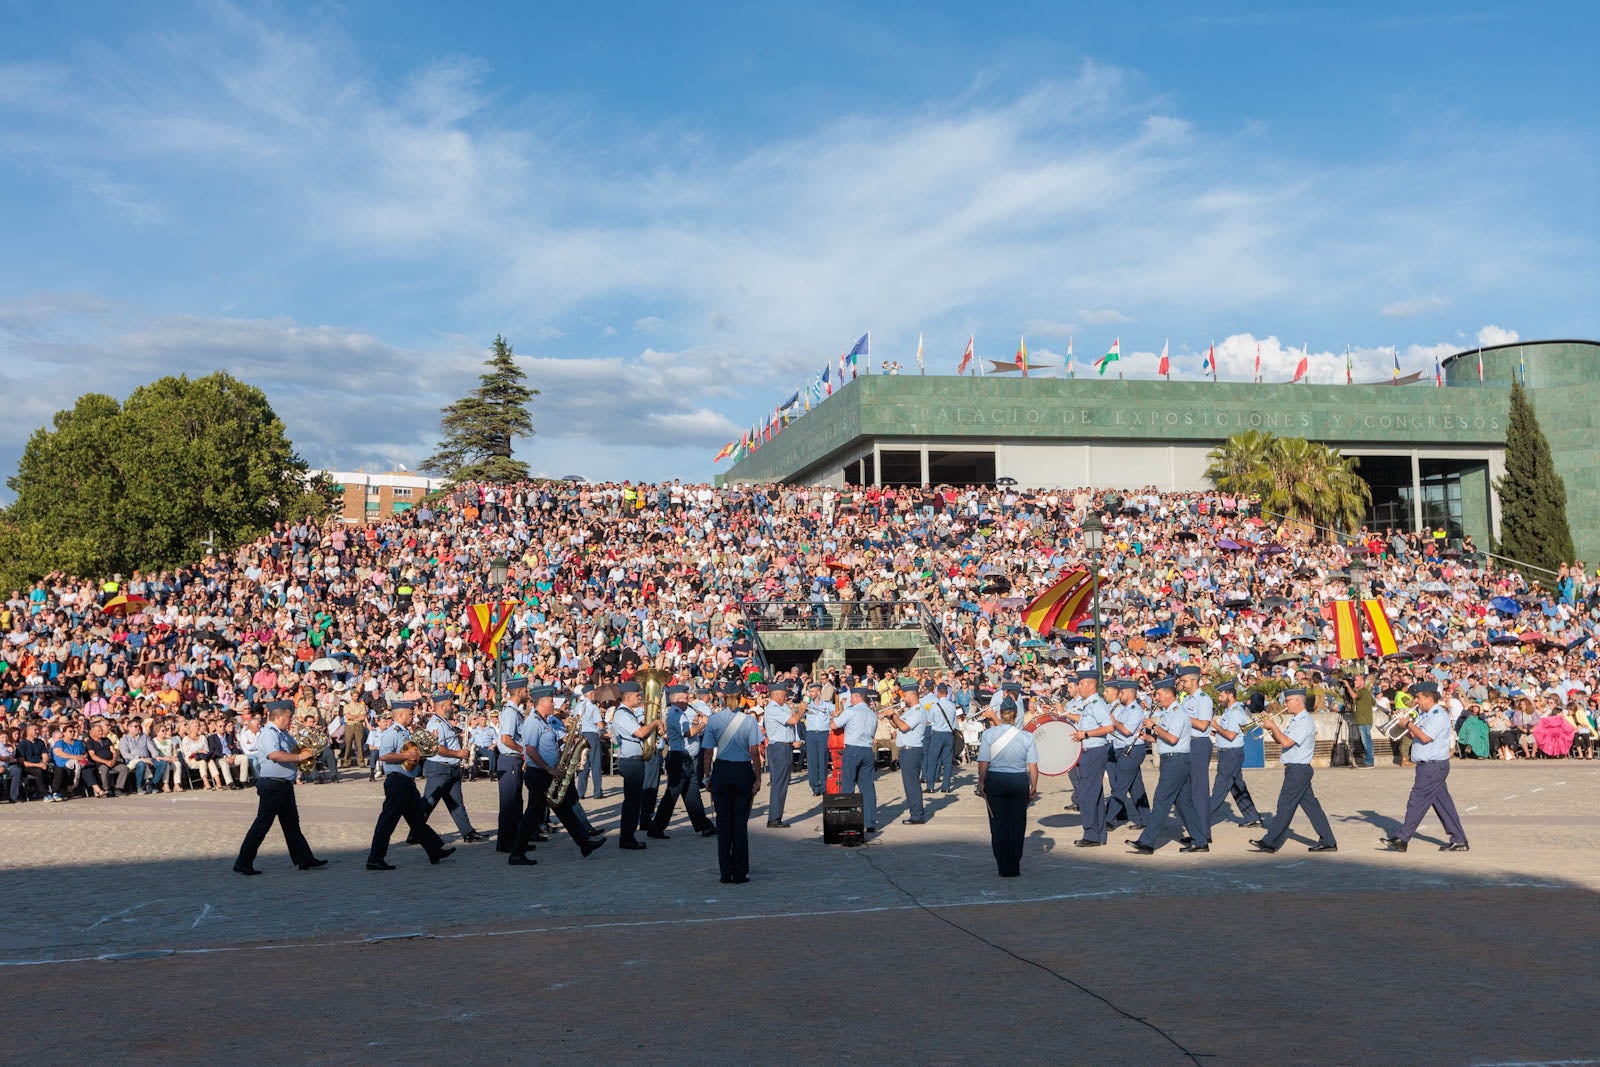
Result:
[{"x": 1193, "y": 1057}]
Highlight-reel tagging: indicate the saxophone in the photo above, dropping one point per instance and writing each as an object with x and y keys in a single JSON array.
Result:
[{"x": 573, "y": 747}]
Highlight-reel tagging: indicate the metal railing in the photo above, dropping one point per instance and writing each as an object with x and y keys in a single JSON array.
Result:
[{"x": 770, "y": 615}]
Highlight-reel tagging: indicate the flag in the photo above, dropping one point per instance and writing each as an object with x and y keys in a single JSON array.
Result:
[
  {"x": 1480, "y": 366},
  {"x": 1301, "y": 367},
  {"x": 920, "y": 368},
  {"x": 1397, "y": 363},
  {"x": 1522, "y": 366},
  {"x": 862, "y": 347},
  {"x": 1065, "y": 599},
  {"x": 486, "y": 623},
  {"x": 1346, "y": 630},
  {"x": 1022, "y": 356},
  {"x": 1349, "y": 374},
  {"x": 1072, "y": 370},
  {"x": 727, "y": 450},
  {"x": 966, "y": 357},
  {"x": 1113, "y": 354},
  {"x": 1382, "y": 632},
  {"x": 1258, "y": 362},
  {"x": 1438, "y": 374},
  {"x": 794, "y": 398},
  {"x": 1209, "y": 364},
  {"x": 1164, "y": 368},
  {"x": 827, "y": 385}
]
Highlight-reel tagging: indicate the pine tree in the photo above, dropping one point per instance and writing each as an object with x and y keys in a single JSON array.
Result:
[
  {"x": 1533, "y": 498},
  {"x": 478, "y": 428}
]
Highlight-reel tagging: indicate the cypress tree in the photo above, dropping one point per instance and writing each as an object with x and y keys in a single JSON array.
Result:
[
  {"x": 479, "y": 428},
  {"x": 1533, "y": 498}
]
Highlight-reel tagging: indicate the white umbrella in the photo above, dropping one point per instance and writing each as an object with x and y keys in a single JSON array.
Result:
[{"x": 325, "y": 664}]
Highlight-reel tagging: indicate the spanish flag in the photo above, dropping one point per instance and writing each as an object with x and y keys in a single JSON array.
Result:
[
  {"x": 727, "y": 450},
  {"x": 1022, "y": 356},
  {"x": 1063, "y": 600},
  {"x": 1346, "y": 630},
  {"x": 1382, "y": 632},
  {"x": 487, "y": 622}
]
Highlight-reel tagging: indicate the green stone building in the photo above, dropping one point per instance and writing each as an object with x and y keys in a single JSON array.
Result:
[{"x": 1430, "y": 454}]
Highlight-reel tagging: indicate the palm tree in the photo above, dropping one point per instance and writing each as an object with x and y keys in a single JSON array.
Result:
[
  {"x": 1304, "y": 481},
  {"x": 1237, "y": 464}
]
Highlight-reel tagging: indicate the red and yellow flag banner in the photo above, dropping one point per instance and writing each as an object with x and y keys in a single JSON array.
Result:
[
  {"x": 1067, "y": 599},
  {"x": 487, "y": 622},
  {"x": 1346, "y": 630},
  {"x": 1382, "y": 632}
]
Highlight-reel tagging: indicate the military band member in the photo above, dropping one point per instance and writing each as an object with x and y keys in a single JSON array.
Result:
[
  {"x": 541, "y": 750},
  {"x": 1298, "y": 741},
  {"x": 591, "y": 722},
  {"x": 1228, "y": 724},
  {"x": 910, "y": 720},
  {"x": 1431, "y": 737},
  {"x": 731, "y": 745},
  {"x": 1128, "y": 798},
  {"x": 684, "y": 728},
  {"x": 1069, "y": 711},
  {"x": 400, "y": 797},
  {"x": 858, "y": 763},
  {"x": 280, "y": 755},
  {"x": 628, "y": 732},
  {"x": 508, "y": 761},
  {"x": 819, "y": 713},
  {"x": 1171, "y": 728},
  {"x": 1095, "y": 726},
  {"x": 1201, "y": 711},
  {"x": 938, "y": 758},
  {"x": 1008, "y": 781},
  {"x": 779, "y": 719},
  {"x": 442, "y": 773}
]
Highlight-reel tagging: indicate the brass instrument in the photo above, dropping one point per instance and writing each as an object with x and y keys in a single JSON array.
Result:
[
  {"x": 1398, "y": 726},
  {"x": 573, "y": 747},
  {"x": 312, "y": 739},
  {"x": 654, "y": 680},
  {"x": 1256, "y": 721}
]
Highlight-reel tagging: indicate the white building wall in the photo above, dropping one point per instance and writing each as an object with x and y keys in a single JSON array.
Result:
[{"x": 1104, "y": 465}]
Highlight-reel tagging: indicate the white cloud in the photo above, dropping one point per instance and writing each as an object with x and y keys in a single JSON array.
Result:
[
  {"x": 1104, "y": 317},
  {"x": 1420, "y": 305},
  {"x": 1494, "y": 335},
  {"x": 1050, "y": 327},
  {"x": 648, "y": 325},
  {"x": 609, "y": 331}
]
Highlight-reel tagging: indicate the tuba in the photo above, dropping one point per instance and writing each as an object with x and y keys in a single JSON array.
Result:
[
  {"x": 654, "y": 681},
  {"x": 573, "y": 747}
]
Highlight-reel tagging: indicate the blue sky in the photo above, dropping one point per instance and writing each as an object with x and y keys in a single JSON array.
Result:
[{"x": 677, "y": 213}]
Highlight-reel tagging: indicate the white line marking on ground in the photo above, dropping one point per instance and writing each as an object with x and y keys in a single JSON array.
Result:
[
  {"x": 199, "y": 918},
  {"x": 1538, "y": 789},
  {"x": 1473, "y": 808},
  {"x": 118, "y": 914},
  {"x": 1540, "y": 1063}
]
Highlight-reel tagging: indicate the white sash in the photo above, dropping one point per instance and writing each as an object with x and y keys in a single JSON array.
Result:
[
  {"x": 734, "y": 726},
  {"x": 1002, "y": 744}
]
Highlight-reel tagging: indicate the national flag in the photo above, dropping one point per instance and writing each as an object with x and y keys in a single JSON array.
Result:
[
  {"x": 1522, "y": 366},
  {"x": 1164, "y": 368},
  {"x": 1065, "y": 599},
  {"x": 1209, "y": 364},
  {"x": 1022, "y": 356},
  {"x": 1349, "y": 371},
  {"x": 1301, "y": 367},
  {"x": 1397, "y": 363},
  {"x": 1438, "y": 374},
  {"x": 1258, "y": 362},
  {"x": 1072, "y": 370},
  {"x": 1480, "y": 366},
  {"x": 727, "y": 450},
  {"x": 920, "y": 368},
  {"x": 794, "y": 399},
  {"x": 486, "y": 623},
  {"x": 827, "y": 385},
  {"x": 1382, "y": 632},
  {"x": 860, "y": 348},
  {"x": 1112, "y": 355},
  {"x": 1346, "y": 630},
  {"x": 966, "y": 357}
]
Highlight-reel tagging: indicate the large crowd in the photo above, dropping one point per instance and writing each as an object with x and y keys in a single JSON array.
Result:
[{"x": 154, "y": 681}]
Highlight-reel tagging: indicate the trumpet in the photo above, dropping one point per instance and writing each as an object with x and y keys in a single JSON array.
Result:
[
  {"x": 1397, "y": 727},
  {"x": 1257, "y": 721}
]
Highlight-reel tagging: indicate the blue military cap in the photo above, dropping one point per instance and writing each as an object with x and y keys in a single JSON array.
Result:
[
  {"x": 862, "y": 691},
  {"x": 630, "y": 687},
  {"x": 443, "y": 694},
  {"x": 539, "y": 692},
  {"x": 516, "y": 683},
  {"x": 1188, "y": 670},
  {"x": 1008, "y": 704},
  {"x": 1088, "y": 676},
  {"x": 1125, "y": 683},
  {"x": 1297, "y": 691},
  {"x": 400, "y": 705},
  {"x": 814, "y": 684},
  {"x": 1425, "y": 687},
  {"x": 675, "y": 691},
  {"x": 780, "y": 687},
  {"x": 1227, "y": 687},
  {"x": 729, "y": 688},
  {"x": 278, "y": 705},
  {"x": 1170, "y": 684},
  {"x": 1012, "y": 687}
]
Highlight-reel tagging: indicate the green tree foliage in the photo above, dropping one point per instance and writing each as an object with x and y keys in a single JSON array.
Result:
[
  {"x": 113, "y": 487},
  {"x": 1533, "y": 498},
  {"x": 479, "y": 428},
  {"x": 1303, "y": 480}
]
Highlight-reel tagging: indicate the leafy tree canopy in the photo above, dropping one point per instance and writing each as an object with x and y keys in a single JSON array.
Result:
[
  {"x": 1303, "y": 480},
  {"x": 480, "y": 427}
]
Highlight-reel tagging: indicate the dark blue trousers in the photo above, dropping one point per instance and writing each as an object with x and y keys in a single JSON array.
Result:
[
  {"x": 911, "y": 780},
  {"x": 817, "y": 760},
  {"x": 682, "y": 781},
  {"x": 593, "y": 768},
  {"x": 1173, "y": 789},
  {"x": 780, "y": 762},
  {"x": 1127, "y": 785},
  {"x": 1006, "y": 794},
  {"x": 1230, "y": 779},
  {"x": 1091, "y": 786},
  {"x": 275, "y": 800},
  {"x": 632, "y": 771},
  {"x": 1428, "y": 790},
  {"x": 510, "y": 784},
  {"x": 1297, "y": 795},
  {"x": 938, "y": 760},
  {"x": 856, "y": 776},
  {"x": 1200, "y": 779},
  {"x": 402, "y": 801},
  {"x": 443, "y": 782},
  {"x": 733, "y": 794}
]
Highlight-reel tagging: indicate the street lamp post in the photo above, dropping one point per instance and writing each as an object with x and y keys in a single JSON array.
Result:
[
  {"x": 499, "y": 570},
  {"x": 1094, "y": 537}
]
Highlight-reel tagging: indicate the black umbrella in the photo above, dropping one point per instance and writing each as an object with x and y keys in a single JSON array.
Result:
[
  {"x": 41, "y": 690},
  {"x": 1275, "y": 602}
]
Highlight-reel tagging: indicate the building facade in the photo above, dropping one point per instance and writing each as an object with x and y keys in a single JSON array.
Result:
[
  {"x": 1430, "y": 454},
  {"x": 369, "y": 497}
]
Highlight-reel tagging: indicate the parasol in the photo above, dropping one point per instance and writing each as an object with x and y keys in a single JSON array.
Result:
[
  {"x": 1553, "y": 735},
  {"x": 127, "y": 604},
  {"x": 1229, "y": 545},
  {"x": 324, "y": 664},
  {"x": 1192, "y": 640},
  {"x": 1159, "y": 631},
  {"x": 1273, "y": 550},
  {"x": 1505, "y": 605},
  {"x": 1435, "y": 587}
]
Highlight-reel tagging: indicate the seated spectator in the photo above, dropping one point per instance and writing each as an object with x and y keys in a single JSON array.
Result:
[
  {"x": 169, "y": 755},
  {"x": 195, "y": 748},
  {"x": 69, "y": 756},
  {"x": 10, "y": 772},
  {"x": 140, "y": 756},
  {"x": 105, "y": 770}
]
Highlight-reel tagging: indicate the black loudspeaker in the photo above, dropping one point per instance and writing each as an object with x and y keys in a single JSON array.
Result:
[{"x": 841, "y": 814}]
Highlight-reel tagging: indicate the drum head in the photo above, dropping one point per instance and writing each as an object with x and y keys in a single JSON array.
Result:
[{"x": 1058, "y": 752}]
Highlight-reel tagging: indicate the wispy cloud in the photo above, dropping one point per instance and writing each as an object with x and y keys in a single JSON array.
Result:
[{"x": 1419, "y": 305}]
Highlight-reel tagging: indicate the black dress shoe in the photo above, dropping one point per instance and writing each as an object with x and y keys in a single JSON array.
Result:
[
  {"x": 872, "y": 829},
  {"x": 1262, "y": 846},
  {"x": 727, "y": 879},
  {"x": 245, "y": 870},
  {"x": 1455, "y": 846},
  {"x": 1072, "y": 807},
  {"x": 472, "y": 837},
  {"x": 591, "y": 845},
  {"x": 631, "y": 846},
  {"x": 777, "y": 825},
  {"x": 443, "y": 853},
  {"x": 1141, "y": 848},
  {"x": 1391, "y": 839},
  {"x": 539, "y": 837},
  {"x": 1395, "y": 844},
  {"x": 1084, "y": 842},
  {"x": 311, "y": 865},
  {"x": 912, "y": 822},
  {"x": 518, "y": 859},
  {"x": 1195, "y": 848},
  {"x": 411, "y": 840},
  {"x": 665, "y": 837},
  {"x": 379, "y": 866},
  {"x": 709, "y": 832},
  {"x": 741, "y": 880},
  {"x": 1320, "y": 847}
]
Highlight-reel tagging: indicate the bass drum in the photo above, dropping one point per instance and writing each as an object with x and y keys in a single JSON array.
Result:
[{"x": 1058, "y": 752}]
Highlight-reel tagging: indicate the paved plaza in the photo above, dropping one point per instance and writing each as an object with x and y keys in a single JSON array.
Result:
[{"x": 907, "y": 950}]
